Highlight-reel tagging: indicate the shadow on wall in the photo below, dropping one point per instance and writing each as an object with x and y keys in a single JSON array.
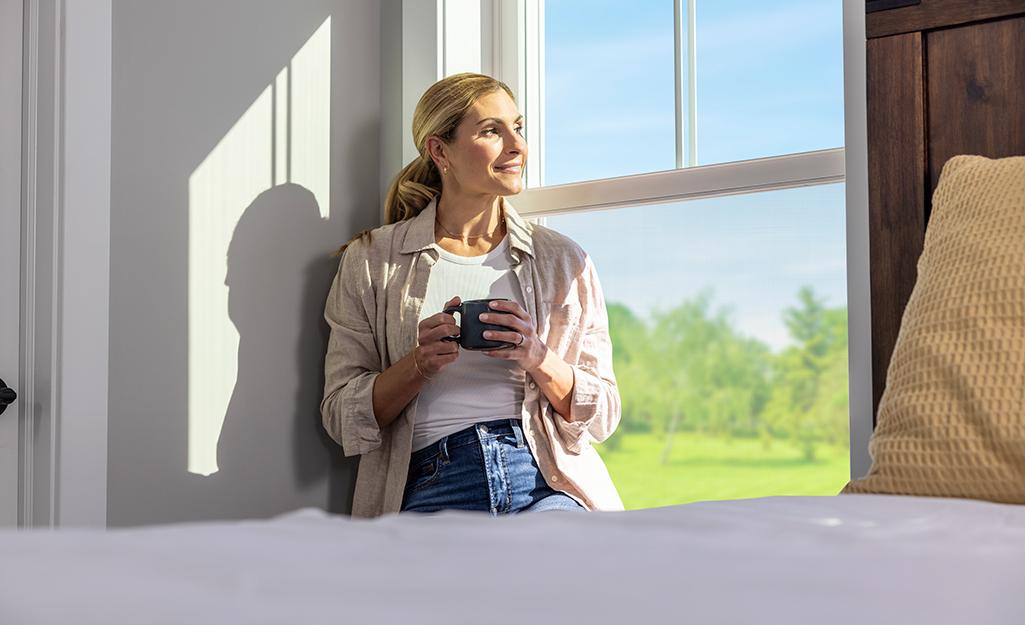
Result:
[
  {"x": 252, "y": 140},
  {"x": 276, "y": 302}
]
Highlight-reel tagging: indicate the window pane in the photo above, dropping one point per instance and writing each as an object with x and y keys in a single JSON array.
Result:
[
  {"x": 609, "y": 89},
  {"x": 770, "y": 78},
  {"x": 769, "y": 82},
  {"x": 728, "y": 320}
]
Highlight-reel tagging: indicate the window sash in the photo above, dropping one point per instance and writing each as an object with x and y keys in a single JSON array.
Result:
[
  {"x": 517, "y": 55},
  {"x": 765, "y": 174}
]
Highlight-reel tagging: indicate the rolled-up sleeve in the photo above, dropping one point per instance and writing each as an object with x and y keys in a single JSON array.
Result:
[
  {"x": 595, "y": 405},
  {"x": 353, "y": 359}
]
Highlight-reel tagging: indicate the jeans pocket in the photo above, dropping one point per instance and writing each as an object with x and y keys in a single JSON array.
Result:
[{"x": 423, "y": 474}]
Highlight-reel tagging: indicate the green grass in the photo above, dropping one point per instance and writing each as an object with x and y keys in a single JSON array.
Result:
[{"x": 701, "y": 468}]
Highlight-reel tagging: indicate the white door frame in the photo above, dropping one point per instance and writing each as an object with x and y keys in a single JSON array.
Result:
[
  {"x": 65, "y": 262},
  {"x": 10, "y": 247}
]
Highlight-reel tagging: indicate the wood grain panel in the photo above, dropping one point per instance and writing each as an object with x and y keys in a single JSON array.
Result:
[
  {"x": 976, "y": 92},
  {"x": 896, "y": 177},
  {"x": 932, "y": 14}
]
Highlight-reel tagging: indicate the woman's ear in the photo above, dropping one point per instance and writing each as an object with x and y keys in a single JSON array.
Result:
[{"x": 437, "y": 149}]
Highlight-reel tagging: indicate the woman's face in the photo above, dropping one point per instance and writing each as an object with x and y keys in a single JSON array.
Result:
[{"x": 488, "y": 153}]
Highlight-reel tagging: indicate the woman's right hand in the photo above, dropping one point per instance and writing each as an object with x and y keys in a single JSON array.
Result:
[
  {"x": 394, "y": 387},
  {"x": 436, "y": 353}
]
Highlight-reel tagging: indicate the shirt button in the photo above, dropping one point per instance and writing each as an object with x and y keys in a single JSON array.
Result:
[
  {"x": 530, "y": 289},
  {"x": 555, "y": 478},
  {"x": 532, "y": 386},
  {"x": 484, "y": 429},
  {"x": 532, "y": 433}
]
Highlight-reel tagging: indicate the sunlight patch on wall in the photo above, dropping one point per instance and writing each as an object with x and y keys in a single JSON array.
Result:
[
  {"x": 284, "y": 136},
  {"x": 220, "y": 189},
  {"x": 281, "y": 127},
  {"x": 310, "y": 116}
]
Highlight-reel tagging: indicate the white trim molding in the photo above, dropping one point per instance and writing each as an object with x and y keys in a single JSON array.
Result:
[
  {"x": 422, "y": 61},
  {"x": 11, "y": 77},
  {"x": 66, "y": 262},
  {"x": 39, "y": 269},
  {"x": 859, "y": 292},
  {"x": 439, "y": 38}
]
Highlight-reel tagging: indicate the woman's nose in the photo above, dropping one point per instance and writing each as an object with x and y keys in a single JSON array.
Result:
[{"x": 517, "y": 145}]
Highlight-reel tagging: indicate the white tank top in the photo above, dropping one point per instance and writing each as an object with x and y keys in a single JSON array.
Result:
[{"x": 474, "y": 388}]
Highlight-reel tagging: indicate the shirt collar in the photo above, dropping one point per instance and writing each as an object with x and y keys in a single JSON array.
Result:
[
  {"x": 420, "y": 235},
  {"x": 519, "y": 231}
]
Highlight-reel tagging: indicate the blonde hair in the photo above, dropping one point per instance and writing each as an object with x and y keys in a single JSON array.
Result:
[{"x": 438, "y": 113}]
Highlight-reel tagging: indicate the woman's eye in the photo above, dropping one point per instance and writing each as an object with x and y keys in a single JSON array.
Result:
[
  {"x": 519, "y": 130},
  {"x": 489, "y": 131}
]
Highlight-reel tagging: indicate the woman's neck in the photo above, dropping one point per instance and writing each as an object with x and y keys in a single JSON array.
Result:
[{"x": 469, "y": 226}]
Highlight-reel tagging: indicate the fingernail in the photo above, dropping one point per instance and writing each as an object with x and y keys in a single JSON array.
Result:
[
  {"x": 487, "y": 335},
  {"x": 484, "y": 317}
]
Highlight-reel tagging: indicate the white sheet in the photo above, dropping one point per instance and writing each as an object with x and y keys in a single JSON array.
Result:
[{"x": 848, "y": 559}]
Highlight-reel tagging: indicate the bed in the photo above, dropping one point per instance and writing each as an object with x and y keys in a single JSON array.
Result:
[
  {"x": 944, "y": 78},
  {"x": 848, "y": 559}
]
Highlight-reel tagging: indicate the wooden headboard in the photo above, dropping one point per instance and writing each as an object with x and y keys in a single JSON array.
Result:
[{"x": 944, "y": 77}]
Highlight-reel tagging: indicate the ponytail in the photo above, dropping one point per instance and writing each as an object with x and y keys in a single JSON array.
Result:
[
  {"x": 409, "y": 193},
  {"x": 412, "y": 190}
]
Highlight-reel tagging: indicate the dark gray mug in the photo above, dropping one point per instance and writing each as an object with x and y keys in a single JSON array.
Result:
[{"x": 471, "y": 328}]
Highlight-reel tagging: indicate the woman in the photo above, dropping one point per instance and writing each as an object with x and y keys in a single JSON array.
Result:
[{"x": 439, "y": 427}]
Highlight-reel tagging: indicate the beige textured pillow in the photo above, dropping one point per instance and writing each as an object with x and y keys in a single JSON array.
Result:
[{"x": 952, "y": 419}]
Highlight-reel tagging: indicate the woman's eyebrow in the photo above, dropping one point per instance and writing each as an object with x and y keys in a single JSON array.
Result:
[{"x": 498, "y": 121}]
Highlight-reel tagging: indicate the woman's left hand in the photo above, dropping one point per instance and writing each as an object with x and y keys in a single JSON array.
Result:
[
  {"x": 529, "y": 351},
  {"x": 553, "y": 376}
]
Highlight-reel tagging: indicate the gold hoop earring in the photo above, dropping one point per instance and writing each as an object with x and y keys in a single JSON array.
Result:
[{"x": 445, "y": 170}]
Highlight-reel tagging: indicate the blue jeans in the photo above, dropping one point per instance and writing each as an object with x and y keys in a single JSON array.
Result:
[{"x": 486, "y": 467}]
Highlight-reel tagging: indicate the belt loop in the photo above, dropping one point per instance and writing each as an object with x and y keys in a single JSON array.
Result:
[
  {"x": 518, "y": 431},
  {"x": 443, "y": 443}
]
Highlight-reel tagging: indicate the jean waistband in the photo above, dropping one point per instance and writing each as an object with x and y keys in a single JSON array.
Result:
[{"x": 484, "y": 429}]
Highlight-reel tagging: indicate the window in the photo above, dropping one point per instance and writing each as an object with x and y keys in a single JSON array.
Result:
[
  {"x": 728, "y": 312},
  {"x": 696, "y": 150}
]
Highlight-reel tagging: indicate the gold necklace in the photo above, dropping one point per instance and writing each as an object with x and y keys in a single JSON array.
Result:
[{"x": 470, "y": 236}]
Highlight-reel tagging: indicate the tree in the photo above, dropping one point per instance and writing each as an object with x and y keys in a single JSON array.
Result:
[
  {"x": 809, "y": 402},
  {"x": 706, "y": 374},
  {"x": 631, "y": 347}
]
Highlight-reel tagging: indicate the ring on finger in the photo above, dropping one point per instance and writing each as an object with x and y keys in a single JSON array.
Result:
[{"x": 522, "y": 338}]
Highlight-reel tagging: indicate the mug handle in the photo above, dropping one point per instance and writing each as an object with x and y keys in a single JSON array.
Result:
[{"x": 449, "y": 311}]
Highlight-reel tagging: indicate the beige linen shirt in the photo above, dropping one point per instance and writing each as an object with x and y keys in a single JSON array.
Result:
[{"x": 374, "y": 309}]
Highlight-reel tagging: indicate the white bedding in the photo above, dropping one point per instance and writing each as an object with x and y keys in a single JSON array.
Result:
[{"x": 850, "y": 559}]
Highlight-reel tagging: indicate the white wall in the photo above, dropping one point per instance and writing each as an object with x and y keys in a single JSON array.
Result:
[{"x": 200, "y": 132}]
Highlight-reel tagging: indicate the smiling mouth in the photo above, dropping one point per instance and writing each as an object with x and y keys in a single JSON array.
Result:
[{"x": 510, "y": 169}]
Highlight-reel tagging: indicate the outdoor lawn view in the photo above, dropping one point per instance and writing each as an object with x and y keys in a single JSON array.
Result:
[
  {"x": 711, "y": 414},
  {"x": 729, "y": 328}
]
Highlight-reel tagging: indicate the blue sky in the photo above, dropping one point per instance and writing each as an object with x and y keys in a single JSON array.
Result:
[{"x": 769, "y": 82}]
